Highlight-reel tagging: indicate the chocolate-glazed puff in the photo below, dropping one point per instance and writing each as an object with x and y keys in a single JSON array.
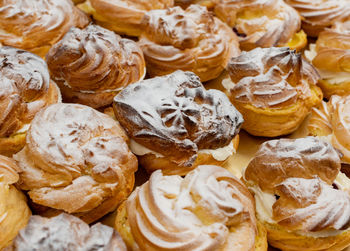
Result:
[
  {"x": 301, "y": 196},
  {"x": 331, "y": 56},
  {"x": 76, "y": 160},
  {"x": 35, "y": 25},
  {"x": 190, "y": 40},
  {"x": 209, "y": 209},
  {"x": 14, "y": 211},
  {"x": 176, "y": 125},
  {"x": 263, "y": 23},
  {"x": 67, "y": 233},
  {"x": 122, "y": 16},
  {"x": 25, "y": 88},
  {"x": 91, "y": 65},
  {"x": 274, "y": 89},
  {"x": 320, "y": 14}
]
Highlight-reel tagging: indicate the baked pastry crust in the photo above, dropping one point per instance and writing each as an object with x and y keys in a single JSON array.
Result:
[
  {"x": 190, "y": 40},
  {"x": 185, "y": 3},
  {"x": 174, "y": 117},
  {"x": 262, "y": 23},
  {"x": 36, "y": 25},
  {"x": 76, "y": 160},
  {"x": 92, "y": 65},
  {"x": 14, "y": 212},
  {"x": 331, "y": 56},
  {"x": 274, "y": 89},
  {"x": 122, "y": 16},
  {"x": 320, "y": 14},
  {"x": 301, "y": 197},
  {"x": 175, "y": 213},
  {"x": 66, "y": 232},
  {"x": 25, "y": 88},
  {"x": 330, "y": 121}
]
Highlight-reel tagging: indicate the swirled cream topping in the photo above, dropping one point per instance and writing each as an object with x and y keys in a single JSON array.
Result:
[
  {"x": 36, "y": 24},
  {"x": 190, "y": 39},
  {"x": 271, "y": 77},
  {"x": 198, "y": 212}
]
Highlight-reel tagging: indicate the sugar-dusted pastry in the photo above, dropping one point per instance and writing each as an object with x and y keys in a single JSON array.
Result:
[
  {"x": 301, "y": 196},
  {"x": 122, "y": 16},
  {"x": 25, "y": 88},
  {"x": 262, "y": 23},
  {"x": 320, "y": 14},
  {"x": 331, "y": 56},
  {"x": 76, "y": 160},
  {"x": 14, "y": 212},
  {"x": 35, "y": 25},
  {"x": 68, "y": 233},
  {"x": 190, "y": 40},
  {"x": 331, "y": 122},
  {"x": 209, "y": 209},
  {"x": 91, "y": 65},
  {"x": 176, "y": 125},
  {"x": 274, "y": 89}
]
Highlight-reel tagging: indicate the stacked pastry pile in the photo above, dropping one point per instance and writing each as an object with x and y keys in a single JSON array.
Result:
[{"x": 92, "y": 92}]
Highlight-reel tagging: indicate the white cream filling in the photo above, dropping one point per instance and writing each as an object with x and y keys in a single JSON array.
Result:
[
  {"x": 264, "y": 202},
  {"x": 228, "y": 84},
  {"x": 333, "y": 78},
  {"x": 219, "y": 154},
  {"x": 23, "y": 129}
]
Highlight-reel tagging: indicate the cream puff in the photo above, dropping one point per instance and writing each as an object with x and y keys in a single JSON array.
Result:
[
  {"x": 14, "y": 211},
  {"x": 301, "y": 196},
  {"x": 35, "y": 25},
  {"x": 190, "y": 40},
  {"x": 320, "y": 14},
  {"x": 76, "y": 160},
  {"x": 331, "y": 56},
  {"x": 68, "y": 233},
  {"x": 122, "y": 16},
  {"x": 92, "y": 65},
  {"x": 176, "y": 125},
  {"x": 262, "y": 23},
  {"x": 209, "y": 209},
  {"x": 25, "y": 88},
  {"x": 274, "y": 89}
]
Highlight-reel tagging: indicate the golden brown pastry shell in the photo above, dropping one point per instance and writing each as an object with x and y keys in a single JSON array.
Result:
[
  {"x": 329, "y": 89},
  {"x": 290, "y": 241},
  {"x": 152, "y": 163},
  {"x": 269, "y": 122}
]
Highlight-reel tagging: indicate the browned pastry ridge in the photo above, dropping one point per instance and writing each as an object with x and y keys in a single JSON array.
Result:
[
  {"x": 331, "y": 56},
  {"x": 25, "y": 88},
  {"x": 209, "y": 209},
  {"x": 172, "y": 118},
  {"x": 14, "y": 212},
  {"x": 185, "y": 3},
  {"x": 91, "y": 65},
  {"x": 76, "y": 160},
  {"x": 262, "y": 23},
  {"x": 274, "y": 89},
  {"x": 35, "y": 25},
  {"x": 122, "y": 16},
  {"x": 190, "y": 40},
  {"x": 331, "y": 121},
  {"x": 301, "y": 197},
  {"x": 320, "y": 14},
  {"x": 68, "y": 233}
]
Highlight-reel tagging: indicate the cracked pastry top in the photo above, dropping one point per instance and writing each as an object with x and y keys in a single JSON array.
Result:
[
  {"x": 76, "y": 160},
  {"x": 190, "y": 40},
  {"x": 173, "y": 118}
]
